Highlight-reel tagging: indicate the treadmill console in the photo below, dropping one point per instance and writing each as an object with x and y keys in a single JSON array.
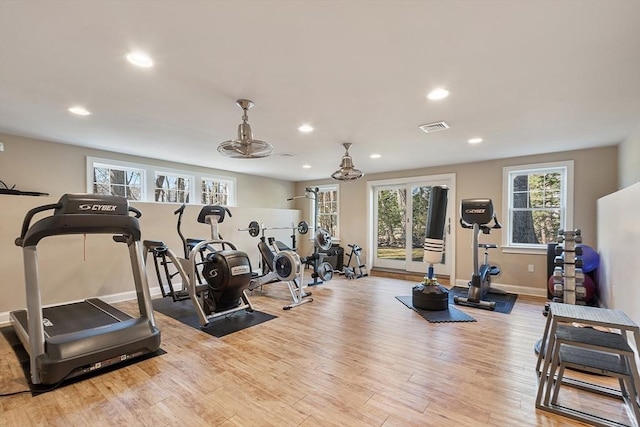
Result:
[
  {"x": 70, "y": 204},
  {"x": 81, "y": 214}
]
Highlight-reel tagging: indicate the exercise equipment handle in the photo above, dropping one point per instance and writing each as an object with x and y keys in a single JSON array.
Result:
[
  {"x": 180, "y": 209},
  {"x": 465, "y": 224},
  {"x": 137, "y": 212},
  {"x": 487, "y": 245},
  {"x": 27, "y": 219}
]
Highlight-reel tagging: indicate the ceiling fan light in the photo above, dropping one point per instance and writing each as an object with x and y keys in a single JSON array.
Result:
[
  {"x": 347, "y": 171},
  {"x": 245, "y": 147}
]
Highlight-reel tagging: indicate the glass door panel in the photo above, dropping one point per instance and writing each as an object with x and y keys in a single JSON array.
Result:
[
  {"x": 391, "y": 223},
  {"x": 401, "y": 223}
]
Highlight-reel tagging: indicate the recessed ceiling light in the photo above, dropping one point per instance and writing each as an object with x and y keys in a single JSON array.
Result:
[
  {"x": 140, "y": 59},
  {"x": 375, "y": 156},
  {"x": 306, "y": 166},
  {"x": 80, "y": 111},
  {"x": 475, "y": 140},
  {"x": 437, "y": 94},
  {"x": 306, "y": 128}
]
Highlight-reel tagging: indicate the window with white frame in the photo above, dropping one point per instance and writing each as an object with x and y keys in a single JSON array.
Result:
[
  {"x": 215, "y": 191},
  {"x": 172, "y": 188},
  {"x": 147, "y": 183},
  {"x": 538, "y": 202},
  {"x": 118, "y": 181},
  {"x": 328, "y": 213}
]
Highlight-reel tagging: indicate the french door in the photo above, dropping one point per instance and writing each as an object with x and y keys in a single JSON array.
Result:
[{"x": 400, "y": 212}]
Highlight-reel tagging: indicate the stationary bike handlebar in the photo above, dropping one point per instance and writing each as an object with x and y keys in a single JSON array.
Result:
[
  {"x": 486, "y": 229},
  {"x": 487, "y": 245}
]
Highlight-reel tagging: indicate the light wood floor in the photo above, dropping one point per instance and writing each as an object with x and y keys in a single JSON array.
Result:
[{"x": 353, "y": 357}]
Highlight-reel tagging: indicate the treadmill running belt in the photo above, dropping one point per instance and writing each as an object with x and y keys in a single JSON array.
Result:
[{"x": 77, "y": 317}]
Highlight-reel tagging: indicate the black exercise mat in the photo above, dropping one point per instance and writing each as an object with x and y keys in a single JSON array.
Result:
[
  {"x": 184, "y": 312},
  {"x": 438, "y": 316},
  {"x": 504, "y": 302},
  {"x": 23, "y": 358}
]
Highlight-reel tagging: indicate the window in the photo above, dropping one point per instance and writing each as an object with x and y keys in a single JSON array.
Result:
[
  {"x": 172, "y": 188},
  {"x": 118, "y": 181},
  {"x": 215, "y": 191},
  {"x": 537, "y": 204},
  {"x": 328, "y": 209},
  {"x": 147, "y": 184}
]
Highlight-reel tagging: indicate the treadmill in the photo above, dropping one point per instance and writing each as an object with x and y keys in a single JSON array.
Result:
[{"x": 73, "y": 339}]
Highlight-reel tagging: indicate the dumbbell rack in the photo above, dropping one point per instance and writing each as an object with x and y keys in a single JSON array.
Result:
[{"x": 568, "y": 277}]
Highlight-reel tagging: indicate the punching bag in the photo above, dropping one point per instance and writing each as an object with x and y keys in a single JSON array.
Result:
[
  {"x": 430, "y": 295},
  {"x": 436, "y": 221}
]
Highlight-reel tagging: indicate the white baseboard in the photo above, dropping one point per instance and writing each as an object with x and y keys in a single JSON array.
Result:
[
  {"x": 513, "y": 289},
  {"x": 110, "y": 299}
]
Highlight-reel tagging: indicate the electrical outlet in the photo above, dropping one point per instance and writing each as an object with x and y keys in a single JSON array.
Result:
[{"x": 530, "y": 268}]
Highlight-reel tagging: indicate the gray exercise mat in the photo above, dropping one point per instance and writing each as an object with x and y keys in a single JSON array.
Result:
[
  {"x": 184, "y": 312},
  {"x": 439, "y": 316}
]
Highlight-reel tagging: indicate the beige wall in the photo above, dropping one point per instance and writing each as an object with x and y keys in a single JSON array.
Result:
[
  {"x": 629, "y": 159},
  {"x": 35, "y": 165},
  {"x": 595, "y": 176},
  {"x": 75, "y": 267},
  {"x": 57, "y": 169}
]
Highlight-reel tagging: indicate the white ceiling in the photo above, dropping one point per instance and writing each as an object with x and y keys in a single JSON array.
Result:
[{"x": 527, "y": 76}]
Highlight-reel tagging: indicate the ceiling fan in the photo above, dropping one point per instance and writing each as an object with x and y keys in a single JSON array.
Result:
[
  {"x": 347, "y": 171},
  {"x": 244, "y": 146}
]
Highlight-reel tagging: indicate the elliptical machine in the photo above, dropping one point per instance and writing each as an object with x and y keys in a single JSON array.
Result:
[
  {"x": 226, "y": 272},
  {"x": 477, "y": 214},
  {"x": 159, "y": 251}
]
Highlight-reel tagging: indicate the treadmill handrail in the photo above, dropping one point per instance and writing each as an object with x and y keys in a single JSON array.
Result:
[
  {"x": 29, "y": 217},
  {"x": 80, "y": 224},
  {"x": 71, "y": 223}
]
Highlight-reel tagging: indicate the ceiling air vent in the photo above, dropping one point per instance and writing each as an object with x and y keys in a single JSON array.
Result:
[{"x": 433, "y": 127}]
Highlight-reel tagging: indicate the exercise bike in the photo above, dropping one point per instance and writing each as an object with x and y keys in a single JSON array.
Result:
[
  {"x": 477, "y": 214},
  {"x": 217, "y": 284}
]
